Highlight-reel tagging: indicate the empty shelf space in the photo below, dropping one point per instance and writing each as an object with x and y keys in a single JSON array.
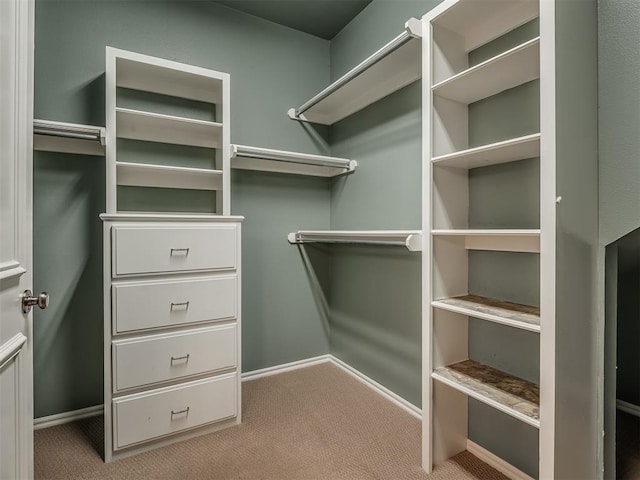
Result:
[
  {"x": 50, "y": 136},
  {"x": 395, "y": 65},
  {"x": 411, "y": 239},
  {"x": 264, "y": 159},
  {"x": 507, "y": 70},
  {"x": 497, "y": 311},
  {"x": 506, "y": 151},
  {"x": 155, "y": 127},
  {"x": 511, "y": 395},
  {"x": 145, "y": 175},
  {"x": 503, "y": 240}
]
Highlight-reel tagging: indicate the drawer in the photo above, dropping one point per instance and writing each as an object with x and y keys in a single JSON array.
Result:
[
  {"x": 169, "y": 410},
  {"x": 146, "y": 305},
  {"x": 144, "y": 250},
  {"x": 158, "y": 358}
]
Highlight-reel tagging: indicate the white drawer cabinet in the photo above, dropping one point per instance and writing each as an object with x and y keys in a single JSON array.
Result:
[
  {"x": 172, "y": 328},
  {"x": 161, "y": 412}
]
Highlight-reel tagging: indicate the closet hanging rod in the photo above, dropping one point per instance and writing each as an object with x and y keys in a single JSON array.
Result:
[
  {"x": 413, "y": 29},
  {"x": 411, "y": 239},
  {"x": 69, "y": 130},
  {"x": 245, "y": 151}
]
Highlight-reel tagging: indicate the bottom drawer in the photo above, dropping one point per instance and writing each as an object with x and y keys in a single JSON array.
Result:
[{"x": 153, "y": 414}]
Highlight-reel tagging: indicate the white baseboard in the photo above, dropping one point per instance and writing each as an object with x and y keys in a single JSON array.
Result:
[
  {"x": 496, "y": 462},
  {"x": 285, "y": 367},
  {"x": 627, "y": 407},
  {"x": 66, "y": 417}
]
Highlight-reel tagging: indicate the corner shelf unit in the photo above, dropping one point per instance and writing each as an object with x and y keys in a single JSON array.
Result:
[
  {"x": 150, "y": 75},
  {"x": 411, "y": 239},
  {"x": 450, "y": 84},
  {"x": 268, "y": 160},
  {"x": 395, "y": 65},
  {"x": 50, "y": 136}
]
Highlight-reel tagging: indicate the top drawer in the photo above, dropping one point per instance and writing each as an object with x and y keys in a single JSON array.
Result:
[{"x": 141, "y": 250}]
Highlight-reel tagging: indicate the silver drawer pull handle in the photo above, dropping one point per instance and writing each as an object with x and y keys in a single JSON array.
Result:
[
  {"x": 180, "y": 304},
  {"x": 175, "y": 251},
  {"x": 184, "y": 357},
  {"x": 186, "y": 410}
]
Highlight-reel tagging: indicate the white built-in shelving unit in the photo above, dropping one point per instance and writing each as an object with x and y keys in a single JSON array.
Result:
[
  {"x": 450, "y": 31},
  {"x": 395, "y": 65},
  {"x": 50, "y": 136},
  {"x": 411, "y": 239}
]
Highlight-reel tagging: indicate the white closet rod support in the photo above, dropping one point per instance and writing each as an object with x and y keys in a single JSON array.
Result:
[
  {"x": 412, "y": 29},
  {"x": 411, "y": 239},
  {"x": 292, "y": 157},
  {"x": 69, "y": 130}
]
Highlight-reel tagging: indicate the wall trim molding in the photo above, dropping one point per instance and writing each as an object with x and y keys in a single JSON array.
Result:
[
  {"x": 67, "y": 417},
  {"x": 285, "y": 367},
  {"x": 627, "y": 407},
  {"x": 496, "y": 462}
]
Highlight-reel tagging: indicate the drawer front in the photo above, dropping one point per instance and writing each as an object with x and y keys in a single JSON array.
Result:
[
  {"x": 158, "y": 358},
  {"x": 144, "y": 250},
  {"x": 170, "y": 410},
  {"x": 146, "y": 305}
]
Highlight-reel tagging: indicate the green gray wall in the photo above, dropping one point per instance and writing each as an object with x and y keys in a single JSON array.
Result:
[{"x": 272, "y": 68}]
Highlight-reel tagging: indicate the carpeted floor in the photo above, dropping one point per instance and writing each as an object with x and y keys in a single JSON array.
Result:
[{"x": 314, "y": 423}]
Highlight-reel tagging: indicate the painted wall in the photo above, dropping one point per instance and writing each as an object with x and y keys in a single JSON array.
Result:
[{"x": 272, "y": 68}]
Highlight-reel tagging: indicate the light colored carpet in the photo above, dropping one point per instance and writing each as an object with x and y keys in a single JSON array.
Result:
[{"x": 314, "y": 423}]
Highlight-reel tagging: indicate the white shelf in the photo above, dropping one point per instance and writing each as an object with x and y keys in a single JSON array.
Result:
[
  {"x": 145, "y": 175},
  {"x": 264, "y": 159},
  {"x": 502, "y": 72},
  {"x": 411, "y": 239},
  {"x": 50, "y": 136},
  {"x": 155, "y": 127},
  {"x": 503, "y": 240},
  {"x": 479, "y": 22},
  {"x": 495, "y": 153},
  {"x": 497, "y": 311},
  {"x": 392, "y": 67},
  {"x": 487, "y": 384}
]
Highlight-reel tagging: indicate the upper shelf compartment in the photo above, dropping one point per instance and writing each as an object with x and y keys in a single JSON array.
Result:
[
  {"x": 394, "y": 66},
  {"x": 479, "y": 22},
  {"x": 507, "y": 70},
  {"x": 267, "y": 160}
]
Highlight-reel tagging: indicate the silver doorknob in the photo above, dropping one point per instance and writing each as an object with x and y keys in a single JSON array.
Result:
[{"x": 28, "y": 300}]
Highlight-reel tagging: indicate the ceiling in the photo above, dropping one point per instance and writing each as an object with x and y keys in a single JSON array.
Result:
[{"x": 322, "y": 18}]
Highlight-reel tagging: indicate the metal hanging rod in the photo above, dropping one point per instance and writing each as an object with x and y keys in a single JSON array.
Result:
[
  {"x": 413, "y": 29},
  {"x": 244, "y": 151},
  {"x": 69, "y": 130},
  {"x": 411, "y": 239}
]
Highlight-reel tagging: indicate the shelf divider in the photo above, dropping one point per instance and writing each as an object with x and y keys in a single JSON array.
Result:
[
  {"x": 512, "y": 395},
  {"x": 411, "y": 239},
  {"x": 146, "y": 175}
]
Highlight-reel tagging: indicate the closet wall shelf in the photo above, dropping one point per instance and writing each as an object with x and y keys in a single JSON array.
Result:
[
  {"x": 411, "y": 239},
  {"x": 507, "y": 70},
  {"x": 264, "y": 159},
  {"x": 50, "y": 136},
  {"x": 503, "y": 240},
  {"x": 147, "y": 175},
  {"x": 512, "y": 395},
  {"x": 505, "y": 151},
  {"x": 392, "y": 67},
  {"x": 156, "y": 127},
  {"x": 497, "y": 311}
]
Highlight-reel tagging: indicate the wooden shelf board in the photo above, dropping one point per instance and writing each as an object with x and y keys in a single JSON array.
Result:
[
  {"x": 506, "y": 151},
  {"x": 507, "y": 393},
  {"x": 501, "y": 240},
  {"x": 145, "y": 175},
  {"x": 155, "y": 127},
  {"x": 497, "y": 311},
  {"x": 514, "y": 67}
]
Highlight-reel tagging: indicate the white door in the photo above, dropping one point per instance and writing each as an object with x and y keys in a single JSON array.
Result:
[{"x": 16, "y": 118}]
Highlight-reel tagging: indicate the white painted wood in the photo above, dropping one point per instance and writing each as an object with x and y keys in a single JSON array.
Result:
[
  {"x": 450, "y": 127},
  {"x": 496, "y": 462},
  {"x": 505, "y": 151},
  {"x": 146, "y": 175},
  {"x": 516, "y": 240},
  {"x": 384, "y": 72},
  {"x": 149, "y": 360},
  {"x": 450, "y": 338},
  {"x": 173, "y": 249},
  {"x": 16, "y": 167},
  {"x": 449, "y": 423},
  {"x": 285, "y": 367},
  {"x": 162, "y": 303},
  {"x": 50, "y": 136},
  {"x": 169, "y": 218},
  {"x": 67, "y": 417},
  {"x": 412, "y": 239},
  {"x": 514, "y": 67},
  {"x": 157, "y": 127},
  {"x": 154, "y": 414},
  {"x": 448, "y": 56},
  {"x": 111, "y": 151},
  {"x": 450, "y": 197}
]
